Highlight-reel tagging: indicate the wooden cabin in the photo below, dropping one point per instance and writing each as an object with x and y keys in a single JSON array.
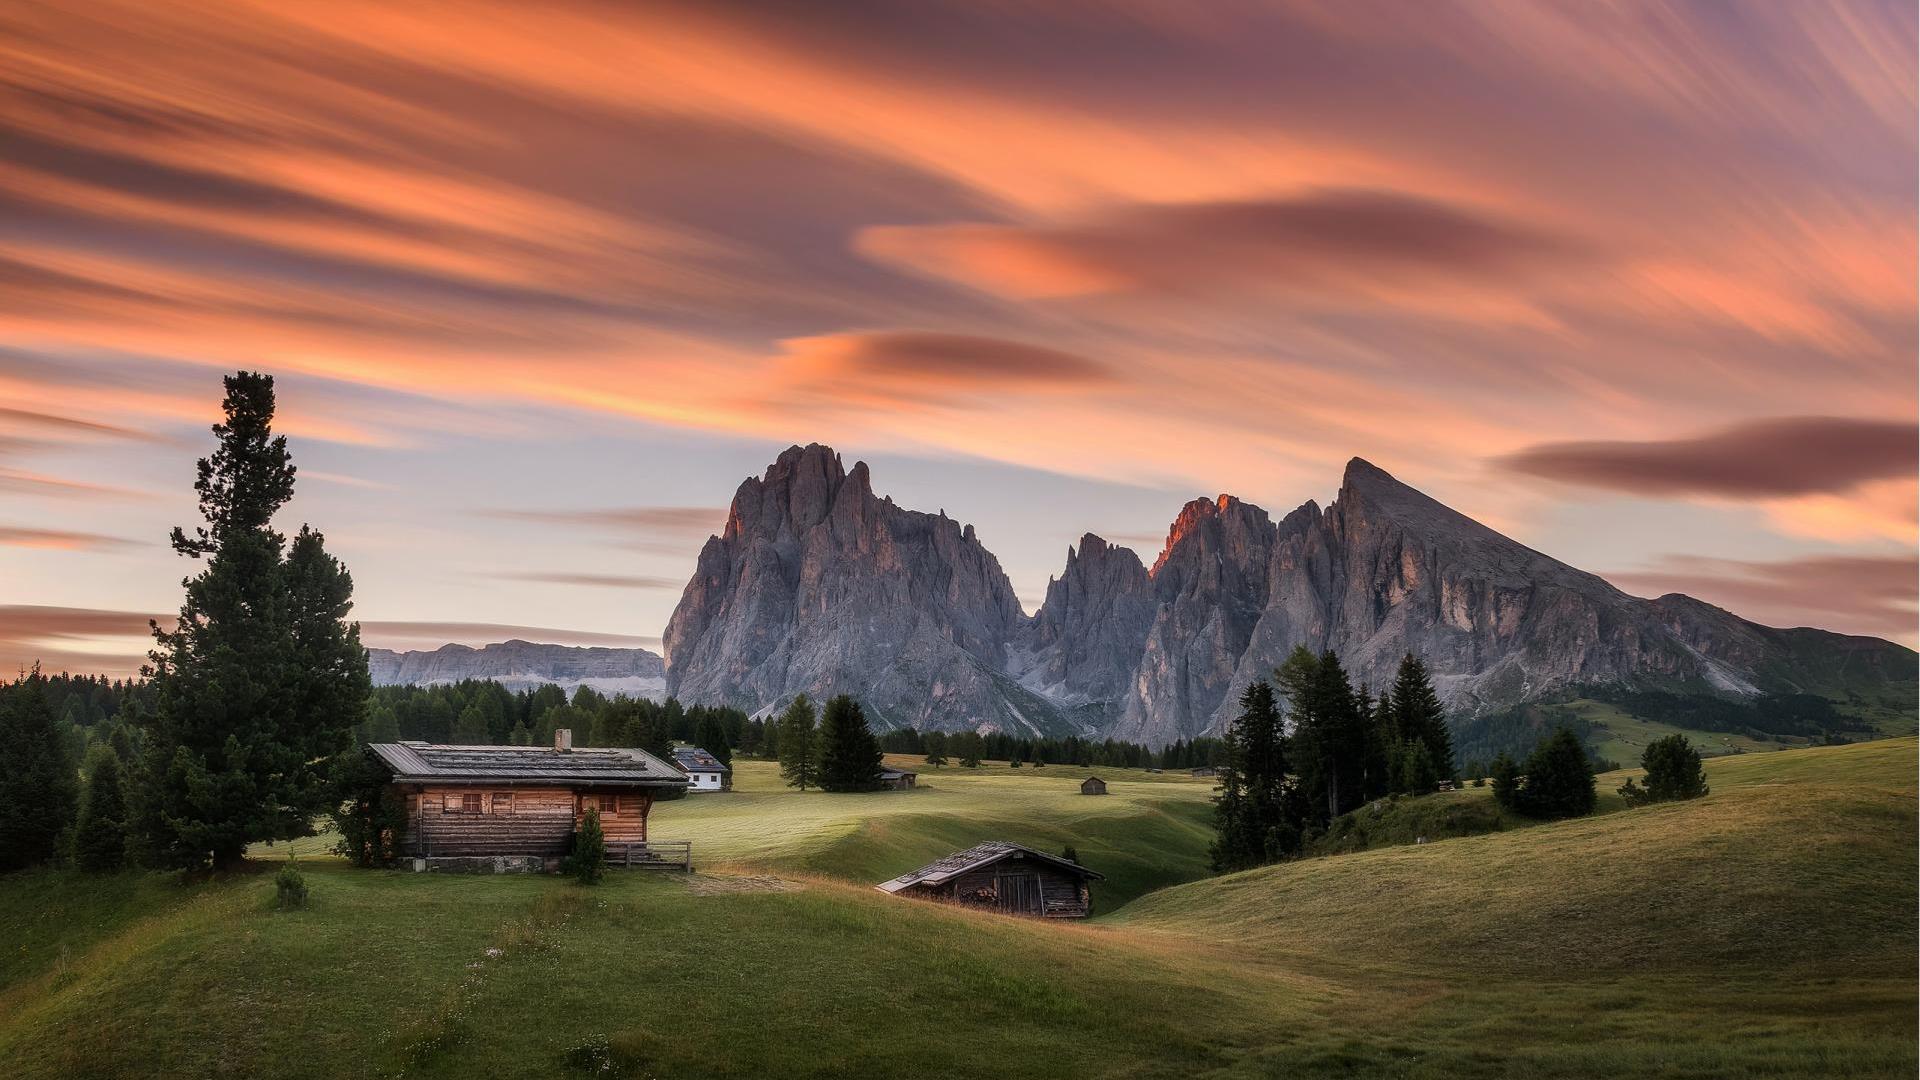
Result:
[
  {"x": 467, "y": 801},
  {"x": 1000, "y": 876},
  {"x": 898, "y": 779},
  {"x": 1093, "y": 785},
  {"x": 704, "y": 771}
]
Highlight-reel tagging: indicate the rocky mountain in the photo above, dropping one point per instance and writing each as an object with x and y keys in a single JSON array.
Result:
[
  {"x": 518, "y": 665},
  {"x": 817, "y": 585}
]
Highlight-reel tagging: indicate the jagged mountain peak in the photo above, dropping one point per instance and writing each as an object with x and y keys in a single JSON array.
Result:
[{"x": 817, "y": 585}]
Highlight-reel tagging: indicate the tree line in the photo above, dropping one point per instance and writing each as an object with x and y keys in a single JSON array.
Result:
[{"x": 1310, "y": 746}]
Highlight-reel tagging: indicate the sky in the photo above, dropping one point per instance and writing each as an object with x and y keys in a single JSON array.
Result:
[{"x": 540, "y": 283}]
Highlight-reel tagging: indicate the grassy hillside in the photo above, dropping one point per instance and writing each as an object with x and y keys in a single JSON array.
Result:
[
  {"x": 1767, "y": 930},
  {"x": 1150, "y": 830}
]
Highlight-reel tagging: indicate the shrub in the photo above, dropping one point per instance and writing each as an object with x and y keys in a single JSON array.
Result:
[
  {"x": 589, "y": 859},
  {"x": 1673, "y": 773},
  {"x": 289, "y": 887},
  {"x": 1070, "y": 855},
  {"x": 1506, "y": 781},
  {"x": 1479, "y": 781}
]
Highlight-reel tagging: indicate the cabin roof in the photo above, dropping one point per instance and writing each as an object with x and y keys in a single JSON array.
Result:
[
  {"x": 888, "y": 772},
  {"x": 416, "y": 762},
  {"x": 942, "y": 870},
  {"x": 694, "y": 759}
]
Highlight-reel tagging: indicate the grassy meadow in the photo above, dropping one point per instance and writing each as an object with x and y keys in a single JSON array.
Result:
[{"x": 1767, "y": 930}]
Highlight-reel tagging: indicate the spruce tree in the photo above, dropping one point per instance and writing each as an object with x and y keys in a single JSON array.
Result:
[
  {"x": 1418, "y": 714},
  {"x": 799, "y": 761},
  {"x": 1673, "y": 773},
  {"x": 1559, "y": 779},
  {"x": 1329, "y": 731},
  {"x": 849, "y": 754},
  {"x": 711, "y": 735},
  {"x": 936, "y": 744},
  {"x": 471, "y": 728},
  {"x": 1256, "y": 815},
  {"x": 36, "y": 777},
  {"x": 100, "y": 835},
  {"x": 262, "y": 680},
  {"x": 1505, "y": 775}
]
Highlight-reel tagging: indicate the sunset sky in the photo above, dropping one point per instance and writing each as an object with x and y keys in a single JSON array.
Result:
[{"x": 541, "y": 282}]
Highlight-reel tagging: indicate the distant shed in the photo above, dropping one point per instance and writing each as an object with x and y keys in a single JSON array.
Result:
[
  {"x": 1005, "y": 877},
  {"x": 898, "y": 779},
  {"x": 1093, "y": 785},
  {"x": 704, "y": 771}
]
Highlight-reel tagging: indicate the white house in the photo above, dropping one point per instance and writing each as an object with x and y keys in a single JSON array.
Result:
[{"x": 704, "y": 771}]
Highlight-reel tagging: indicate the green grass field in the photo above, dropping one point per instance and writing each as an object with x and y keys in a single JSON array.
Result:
[{"x": 1766, "y": 930}]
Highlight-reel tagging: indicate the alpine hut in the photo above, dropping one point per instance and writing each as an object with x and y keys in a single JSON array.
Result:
[
  {"x": 466, "y": 802},
  {"x": 1093, "y": 785},
  {"x": 704, "y": 771},
  {"x": 1000, "y": 876}
]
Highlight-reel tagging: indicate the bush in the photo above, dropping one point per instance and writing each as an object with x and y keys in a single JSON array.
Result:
[
  {"x": 588, "y": 863},
  {"x": 289, "y": 887},
  {"x": 1070, "y": 855},
  {"x": 1479, "y": 781},
  {"x": 1506, "y": 781},
  {"x": 1673, "y": 773}
]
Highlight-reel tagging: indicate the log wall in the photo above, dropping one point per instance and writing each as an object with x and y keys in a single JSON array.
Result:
[{"x": 441, "y": 821}]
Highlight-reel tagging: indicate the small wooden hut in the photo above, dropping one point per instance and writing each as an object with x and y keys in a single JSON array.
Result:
[
  {"x": 1093, "y": 785},
  {"x": 1010, "y": 878},
  {"x": 897, "y": 779},
  {"x": 477, "y": 801}
]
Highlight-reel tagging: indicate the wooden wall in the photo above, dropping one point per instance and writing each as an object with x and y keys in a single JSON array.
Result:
[
  {"x": 1062, "y": 894},
  {"x": 528, "y": 821}
]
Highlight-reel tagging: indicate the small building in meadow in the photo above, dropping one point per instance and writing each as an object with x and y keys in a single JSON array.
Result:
[
  {"x": 466, "y": 802},
  {"x": 1205, "y": 770},
  {"x": 1093, "y": 785},
  {"x": 1010, "y": 878},
  {"x": 704, "y": 771},
  {"x": 897, "y": 779}
]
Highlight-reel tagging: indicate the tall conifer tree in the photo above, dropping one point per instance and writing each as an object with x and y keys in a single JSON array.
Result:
[
  {"x": 36, "y": 777},
  {"x": 262, "y": 679},
  {"x": 1419, "y": 716},
  {"x": 798, "y": 747},
  {"x": 100, "y": 835},
  {"x": 849, "y": 754}
]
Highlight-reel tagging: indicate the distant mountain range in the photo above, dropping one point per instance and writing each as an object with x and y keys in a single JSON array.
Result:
[
  {"x": 519, "y": 665},
  {"x": 818, "y": 585}
]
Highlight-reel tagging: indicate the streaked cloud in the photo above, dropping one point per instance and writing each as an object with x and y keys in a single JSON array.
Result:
[
  {"x": 1872, "y": 594},
  {"x": 61, "y": 539},
  {"x": 597, "y": 581},
  {"x": 1774, "y": 458}
]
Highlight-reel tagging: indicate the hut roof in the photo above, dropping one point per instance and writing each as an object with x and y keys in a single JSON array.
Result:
[
  {"x": 416, "y": 762},
  {"x": 888, "y": 772},
  {"x": 960, "y": 862},
  {"x": 694, "y": 759}
]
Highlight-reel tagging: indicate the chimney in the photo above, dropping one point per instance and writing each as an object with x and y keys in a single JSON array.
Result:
[{"x": 563, "y": 739}]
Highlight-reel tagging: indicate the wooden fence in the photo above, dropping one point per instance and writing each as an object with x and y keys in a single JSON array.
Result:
[{"x": 652, "y": 855}]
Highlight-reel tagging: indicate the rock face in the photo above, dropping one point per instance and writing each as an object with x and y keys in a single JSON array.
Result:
[
  {"x": 518, "y": 665},
  {"x": 818, "y": 586}
]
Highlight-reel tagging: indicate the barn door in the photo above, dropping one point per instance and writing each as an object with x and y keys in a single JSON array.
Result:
[{"x": 1018, "y": 893}]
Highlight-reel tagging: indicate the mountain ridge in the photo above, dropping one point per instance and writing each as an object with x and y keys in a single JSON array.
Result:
[
  {"x": 817, "y": 585},
  {"x": 518, "y": 664}
]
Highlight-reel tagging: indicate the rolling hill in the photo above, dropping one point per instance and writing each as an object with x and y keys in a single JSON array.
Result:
[{"x": 1766, "y": 930}]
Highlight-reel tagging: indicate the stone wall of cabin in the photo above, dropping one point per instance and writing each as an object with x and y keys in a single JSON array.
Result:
[{"x": 516, "y": 821}]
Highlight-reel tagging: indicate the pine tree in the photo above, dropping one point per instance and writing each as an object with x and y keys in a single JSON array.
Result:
[
  {"x": 36, "y": 777},
  {"x": 799, "y": 761},
  {"x": 1505, "y": 775},
  {"x": 1329, "y": 730},
  {"x": 1559, "y": 779},
  {"x": 969, "y": 747},
  {"x": 936, "y": 744},
  {"x": 100, "y": 835},
  {"x": 471, "y": 728},
  {"x": 262, "y": 680},
  {"x": 1673, "y": 773},
  {"x": 849, "y": 754},
  {"x": 711, "y": 735},
  {"x": 1256, "y": 815},
  {"x": 1418, "y": 714},
  {"x": 588, "y": 861}
]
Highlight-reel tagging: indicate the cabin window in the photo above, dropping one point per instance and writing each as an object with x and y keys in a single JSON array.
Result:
[
  {"x": 503, "y": 802},
  {"x": 460, "y": 804}
]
